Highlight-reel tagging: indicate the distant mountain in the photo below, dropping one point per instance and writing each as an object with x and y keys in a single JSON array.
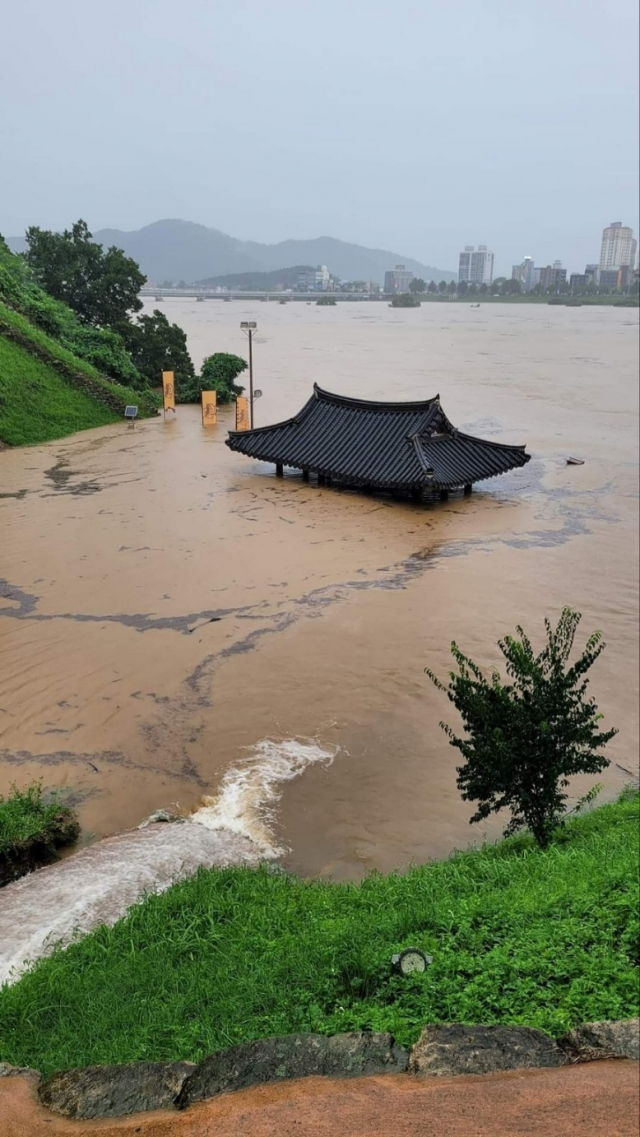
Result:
[
  {"x": 182, "y": 250},
  {"x": 257, "y": 281}
]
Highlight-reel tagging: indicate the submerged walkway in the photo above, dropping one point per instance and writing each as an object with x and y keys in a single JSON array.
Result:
[{"x": 599, "y": 1099}]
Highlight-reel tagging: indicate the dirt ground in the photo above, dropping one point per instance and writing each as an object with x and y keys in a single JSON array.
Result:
[{"x": 599, "y": 1099}]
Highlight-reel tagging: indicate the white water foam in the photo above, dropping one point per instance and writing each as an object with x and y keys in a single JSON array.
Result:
[
  {"x": 101, "y": 882},
  {"x": 249, "y": 791}
]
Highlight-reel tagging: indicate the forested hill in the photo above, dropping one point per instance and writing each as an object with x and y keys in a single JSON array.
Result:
[{"x": 173, "y": 250}]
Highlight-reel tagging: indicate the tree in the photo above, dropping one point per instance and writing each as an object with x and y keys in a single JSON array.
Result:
[
  {"x": 219, "y": 373},
  {"x": 463, "y": 288},
  {"x": 101, "y": 287},
  {"x": 452, "y": 287},
  {"x": 405, "y": 300},
  {"x": 417, "y": 285},
  {"x": 484, "y": 288},
  {"x": 432, "y": 286},
  {"x": 442, "y": 287},
  {"x": 155, "y": 346},
  {"x": 511, "y": 288},
  {"x": 473, "y": 289},
  {"x": 525, "y": 739}
]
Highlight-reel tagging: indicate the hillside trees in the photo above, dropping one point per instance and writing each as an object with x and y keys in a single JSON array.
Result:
[{"x": 100, "y": 286}]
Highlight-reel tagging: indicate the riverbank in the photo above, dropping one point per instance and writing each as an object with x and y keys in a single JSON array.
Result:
[
  {"x": 32, "y": 830},
  {"x": 517, "y": 935}
]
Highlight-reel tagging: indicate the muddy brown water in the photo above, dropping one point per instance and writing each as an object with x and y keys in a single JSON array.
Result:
[{"x": 169, "y": 606}]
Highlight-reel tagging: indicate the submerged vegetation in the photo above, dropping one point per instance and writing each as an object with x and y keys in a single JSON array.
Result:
[
  {"x": 31, "y": 829},
  {"x": 518, "y": 934}
]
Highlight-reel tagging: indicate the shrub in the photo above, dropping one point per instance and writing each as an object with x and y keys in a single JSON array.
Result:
[
  {"x": 524, "y": 740},
  {"x": 219, "y": 372}
]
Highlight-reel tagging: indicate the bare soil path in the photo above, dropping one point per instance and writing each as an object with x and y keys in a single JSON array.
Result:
[{"x": 599, "y": 1099}]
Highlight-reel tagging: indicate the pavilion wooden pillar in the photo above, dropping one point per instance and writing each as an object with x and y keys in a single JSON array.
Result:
[
  {"x": 321, "y": 479},
  {"x": 279, "y": 470},
  {"x": 305, "y": 475},
  {"x": 467, "y": 489},
  {"x": 444, "y": 495}
]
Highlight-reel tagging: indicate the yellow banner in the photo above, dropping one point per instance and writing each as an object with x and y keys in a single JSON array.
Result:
[
  {"x": 168, "y": 391},
  {"x": 242, "y": 413},
  {"x": 209, "y": 408}
]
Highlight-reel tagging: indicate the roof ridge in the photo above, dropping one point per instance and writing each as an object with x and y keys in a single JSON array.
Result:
[{"x": 322, "y": 395}]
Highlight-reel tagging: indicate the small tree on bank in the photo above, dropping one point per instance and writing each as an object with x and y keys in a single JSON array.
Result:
[
  {"x": 525, "y": 739},
  {"x": 219, "y": 373}
]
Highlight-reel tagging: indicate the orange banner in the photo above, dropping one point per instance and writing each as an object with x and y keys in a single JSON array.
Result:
[
  {"x": 242, "y": 413},
  {"x": 168, "y": 391},
  {"x": 209, "y": 408}
]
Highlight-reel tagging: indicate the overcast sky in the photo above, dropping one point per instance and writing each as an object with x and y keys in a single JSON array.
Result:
[{"x": 414, "y": 125}]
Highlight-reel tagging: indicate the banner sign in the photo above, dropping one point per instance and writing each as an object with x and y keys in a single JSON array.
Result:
[
  {"x": 242, "y": 413},
  {"x": 209, "y": 408},
  {"x": 168, "y": 391}
]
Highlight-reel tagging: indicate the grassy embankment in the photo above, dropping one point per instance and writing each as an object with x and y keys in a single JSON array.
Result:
[
  {"x": 517, "y": 934},
  {"x": 47, "y": 392},
  {"x": 57, "y": 374},
  {"x": 32, "y": 829}
]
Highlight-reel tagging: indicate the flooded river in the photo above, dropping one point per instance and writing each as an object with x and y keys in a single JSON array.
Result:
[{"x": 178, "y": 625}]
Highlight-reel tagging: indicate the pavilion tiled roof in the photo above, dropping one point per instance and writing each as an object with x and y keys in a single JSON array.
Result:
[{"x": 380, "y": 445}]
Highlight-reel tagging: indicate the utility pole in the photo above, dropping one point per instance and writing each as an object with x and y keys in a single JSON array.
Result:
[{"x": 249, "y": 327}]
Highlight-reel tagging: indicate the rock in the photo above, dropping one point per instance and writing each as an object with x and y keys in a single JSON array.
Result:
[
  {"x": 158, "y": 815},
  {"x": 456, "y": 1049},
  {"x": 111, "y": 1091},
  {"x": 7, "y": 1071},
  {"x": 293, "y": 1056},
  {"x": 593, "y": 1041}
]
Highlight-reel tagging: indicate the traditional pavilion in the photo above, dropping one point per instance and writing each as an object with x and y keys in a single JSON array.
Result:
[{"x": 401, "y": 448}]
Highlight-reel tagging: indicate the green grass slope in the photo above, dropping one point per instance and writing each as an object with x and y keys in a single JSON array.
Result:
[
  {"x": 46, "y": 392},
  {"x": 547, "y": 938},
  {"x": 37, "y": 405}
]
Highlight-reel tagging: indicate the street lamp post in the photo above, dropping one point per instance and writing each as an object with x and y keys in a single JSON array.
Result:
[{"x": 249, "y": 327}]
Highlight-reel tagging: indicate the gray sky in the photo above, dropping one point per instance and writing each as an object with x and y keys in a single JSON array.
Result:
[{"x": 415, "y": 125}]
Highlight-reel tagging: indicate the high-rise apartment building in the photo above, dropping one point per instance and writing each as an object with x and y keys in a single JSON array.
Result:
[
  {"x": 397, "y": 279},
  {"x": 475, "y": 265},
  {"x": 526, "y": 274},
  {"x": 618, "y": 249},
  {"x": 314, "y": 279},
  {"x": 552, "y": 276}
]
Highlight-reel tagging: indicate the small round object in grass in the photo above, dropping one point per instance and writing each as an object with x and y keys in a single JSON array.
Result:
[{"x": 411, "y": 961}]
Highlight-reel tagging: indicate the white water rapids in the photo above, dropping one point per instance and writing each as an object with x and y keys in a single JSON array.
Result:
[{"x": 98, "y": 884}]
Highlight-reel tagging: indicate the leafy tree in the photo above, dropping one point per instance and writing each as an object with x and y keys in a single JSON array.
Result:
[
  {"x": 484, "y": 289},
  {"x": 219, "y": 373},
  {"x": 442, "y": 287},
  {"x": 463, "y": 288},
  {"x": 473, "y": 289},
  {"x": 525, "y": 739},
  {"x": 417, "y": 285},
  {"x": 100, "y": 287},
  {"x": 452, "y": 288},
  {"x": 511, "y": 288},
  {"x": 155, "y": 346},
  {"x": 405, "y": 300},
  {"x": 432, "y": 286}
]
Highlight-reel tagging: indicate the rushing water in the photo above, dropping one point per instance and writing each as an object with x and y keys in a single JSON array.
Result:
[{"x": 178, "y": 625}]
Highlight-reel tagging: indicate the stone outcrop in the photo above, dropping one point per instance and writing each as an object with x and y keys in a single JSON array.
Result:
[
  {"x": 8, "y": 1071},
  {"x": 442, "y": 1051},
  {"x": 293, "y": 1056},
  {"x": 113, "y": 1091},
  {"x": 594, "y": 1041}
]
